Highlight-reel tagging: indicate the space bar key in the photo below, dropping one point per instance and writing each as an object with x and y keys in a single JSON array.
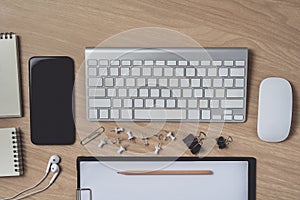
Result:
[{"x": 159, "y": 114}]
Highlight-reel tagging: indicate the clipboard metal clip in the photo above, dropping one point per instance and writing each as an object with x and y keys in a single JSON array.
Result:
[{"x": 92, "y": 135}]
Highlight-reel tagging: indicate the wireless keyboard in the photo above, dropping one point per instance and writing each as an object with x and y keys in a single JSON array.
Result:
[{"x": 166, "y": 84}]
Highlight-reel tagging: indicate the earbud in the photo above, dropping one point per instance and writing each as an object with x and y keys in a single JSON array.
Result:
[
  {"x": 55, "y": 169},
  {"x": 53, "y": 160}
]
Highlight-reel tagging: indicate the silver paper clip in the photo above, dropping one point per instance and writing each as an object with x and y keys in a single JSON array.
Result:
[{"x": 93, "y": 135}]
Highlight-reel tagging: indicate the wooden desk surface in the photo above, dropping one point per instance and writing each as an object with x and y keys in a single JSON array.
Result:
[{"x": 270, "y": 29}]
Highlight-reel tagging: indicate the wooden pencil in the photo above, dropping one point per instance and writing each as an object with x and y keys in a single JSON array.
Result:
[{"x": 168, "y": 172}]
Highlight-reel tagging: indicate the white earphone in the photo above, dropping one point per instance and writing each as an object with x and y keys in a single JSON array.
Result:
[{"x": 53, "y": 167}]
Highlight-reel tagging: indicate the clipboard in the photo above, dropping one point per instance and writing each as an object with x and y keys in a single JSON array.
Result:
[{"x": 233, "y": 178}]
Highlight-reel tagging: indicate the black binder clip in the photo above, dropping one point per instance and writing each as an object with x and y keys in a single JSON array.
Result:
[
  {"x": 194, "y": 143},
  {"x": 223, "y": 143}
]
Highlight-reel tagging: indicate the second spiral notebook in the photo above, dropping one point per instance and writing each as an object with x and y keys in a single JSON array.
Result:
[{"x": 10, "y": 152}]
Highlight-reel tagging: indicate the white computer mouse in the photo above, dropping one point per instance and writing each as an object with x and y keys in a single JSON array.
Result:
[{"x": 274, "y": 109}]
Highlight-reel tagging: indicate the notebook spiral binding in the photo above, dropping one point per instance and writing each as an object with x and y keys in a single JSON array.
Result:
[
  {"x": 6, "y": 35},
  {"x": 16, "y": 141}
]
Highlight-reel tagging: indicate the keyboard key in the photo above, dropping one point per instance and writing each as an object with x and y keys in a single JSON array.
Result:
[
  {"x": 176, "y": 93},
  {"x": 192, "y": 103},
  {"x": 212, "y": 72},
  {"x": 138, "y": 103},
  {"x": 132, "y": 92},
  {"x": 126, "y": 62},
  {"x": 130, "y": 82},
  {"x": 238, "y": 117},
  {"x": 141, "y": 82},
  {"x": 232, "y": 103},
  {"x": 182, "y": 63},
  {"x": 168, "y": 71},
  {"x": 111, "y": 92},
  {"x": 160, "y": 103},
  {"x": 117, "y": 103},
  {"x": 122, "y": 92},
  {"x": 149, "y": 103},
  {"x": 217, "y": 63},
  {"x": 103, "y": 114},
  {"x": 195, "y": 82},
  {"x": 143, "y": 92},
  {"x": 198, "y": 93},
  {"x": 93, "y": 114},
  {"x": 227, "y": 112},
  {"x": 203, "y": 103},
  {"x": 161, "y": 114},
  {"x": 92, "y": 71},
  {"x": 179, "y": 72},
  {"x": 194, "y": 63},
  {"x": 173, "y": 82},
  {"x": 223, "y": 72},
  {"x": 149, "y": 62},
  {"x": 114, "y": 114},
  {"x": 205, "y": 114},
  {"x": 239, "y": 82},
  {"x": 114, "y": 71},
  {"x": 151, "y": 82},
  {"x": 103, "y": 62},
  {"x": 163, "y": 82},
  {"x": 127, "y": 103},
  {"x": 97, "y": 92},
  {"x": 165, "y": 93},
  {"x": 120, "y": 82},
  {"x": 187, "y": 92},
  {"x": 95, "y": 82},
  {"x": 135, "y": 71},
  {"x": 126, "y": 114},
  {"x": 235, "y": 93},
  {"x": 170, "y": 103},
  {"x": 154, "y": 93},
  {"x": 184, "y": 83},
  {"x": 146, "y": 71},
  {"x": 190, "y": 71},
  {"x": 220, "y": 93},
  {"x": 240, "y": 63},
  {"x": 228, "y": 82},
  {"x": 201, "y": 72},
  {"x": 228, "y": 63},
  {"x": 137, "y": 63},
  {"x": 109, "y": 82},
  {"x": 237, "y": 72},
  {"x": 92, "y": 62},
  {"x": 217, "y": 82},
  {"x": 103, "y": 72},
  {"x": 125, "y": 71},
  {"x": 157, "y": 71},
  {"x": 227, "y": 117},
  {"x": 217, "y": 117},
  {"x": 206, "y": 82},
  {"x": 171, "y": 62},
  {"x": 181, "y": 103},
  {"x": 160, "y": 62},
  {"x": 193, "y": 114},
  {"x": 114, "y": 62},
  {"x": 214, "y": 103},
  {"x": 209, "y": 93},
  {"x": 205, "y": 62},
  {"x": 99, "y": 103}
]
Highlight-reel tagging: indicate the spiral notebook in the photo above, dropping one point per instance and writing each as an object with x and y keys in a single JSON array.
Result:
[
  {"x": 10, "y": 98},
  {"x": 10, "y": 152}
]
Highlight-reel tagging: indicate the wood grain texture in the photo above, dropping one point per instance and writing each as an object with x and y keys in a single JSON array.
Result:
[{"x": 269, "y": 28}]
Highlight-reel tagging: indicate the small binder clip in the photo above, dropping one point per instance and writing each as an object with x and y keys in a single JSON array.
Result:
[
  {"x": 102, "y": 143},
  {"x": 130, "y": 136},
  {"x": 118, "y": 130},
  {"x": 145, "y": 139},
  {"x": 93, "y": 135},
  {"x": 121, "y": 149},
  {"x": 223, "y": 143},
  {"x": 170, "y": 135},
  {"x": 157, "y": 149}
]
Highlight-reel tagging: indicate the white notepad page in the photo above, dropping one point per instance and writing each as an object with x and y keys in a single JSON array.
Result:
[
  {"x": 229, "y": 181},
  {"x": 9, "y": 153},
  {"x": 10, "y": 103}
]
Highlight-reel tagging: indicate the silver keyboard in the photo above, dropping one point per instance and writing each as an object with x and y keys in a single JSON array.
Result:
[{"x": 169, "y": 84}]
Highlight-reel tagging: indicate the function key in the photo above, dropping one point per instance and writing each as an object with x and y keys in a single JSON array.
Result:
[
  {"x": 217, "y": 63},
  {"x": 171, "y": 62},
  {"x": 228, "y": 63},
  {"x": 92, "y": 62},
  {"x": 137, "y": 62},
  {"x": 103, "y": 62},
  {"x": 240, "y": 63},
  {"x": 194, "y": 63},
  {"x": 115, "y": 62},
  {"x": 148, "y": 62},
  {"x": 160, "y": 62},
  {"x": 126, "y": 62},
  {"x": 182, "y": 62},
  {"x": 205, "y": 62}
]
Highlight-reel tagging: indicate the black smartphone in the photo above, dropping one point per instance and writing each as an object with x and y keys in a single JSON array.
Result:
[{"x": 51, "y": 82}]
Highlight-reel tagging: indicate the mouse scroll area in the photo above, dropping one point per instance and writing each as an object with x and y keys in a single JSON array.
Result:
[{"x": 274, "y": 109}]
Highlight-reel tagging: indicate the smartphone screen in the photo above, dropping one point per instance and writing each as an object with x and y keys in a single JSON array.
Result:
[{"x": 51, "y": 81}]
